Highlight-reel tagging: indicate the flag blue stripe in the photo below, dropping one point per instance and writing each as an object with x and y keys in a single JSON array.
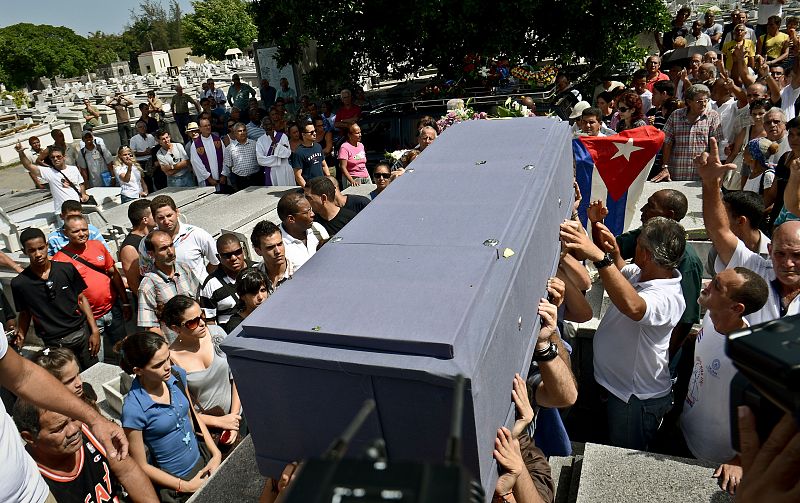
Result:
[
  {"x": 584, "y": 167},
  {"x": 615, "y": 221}
]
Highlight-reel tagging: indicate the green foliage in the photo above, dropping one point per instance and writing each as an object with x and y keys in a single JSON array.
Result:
[
  {"x": 218, "y": 25},
  {"x": 19, "y": 97},
  {"x": 358, "y": 37},
  {"x": 32, "y": 51}
]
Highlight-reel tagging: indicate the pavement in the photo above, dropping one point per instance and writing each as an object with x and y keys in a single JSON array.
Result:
[{"x": 15, "y": 178}]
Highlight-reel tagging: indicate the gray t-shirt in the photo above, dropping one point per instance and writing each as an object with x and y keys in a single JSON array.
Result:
[{"x": 212, "y": 387}]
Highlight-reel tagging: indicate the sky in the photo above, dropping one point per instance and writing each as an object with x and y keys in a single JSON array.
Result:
[{"x": 82, "y": 16}]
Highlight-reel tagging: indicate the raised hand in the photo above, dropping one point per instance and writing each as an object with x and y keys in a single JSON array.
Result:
[
  {"x": 523, "y": 406},
  {"x": 708, "y": 164},
  {"x": 597, "y": 211}
]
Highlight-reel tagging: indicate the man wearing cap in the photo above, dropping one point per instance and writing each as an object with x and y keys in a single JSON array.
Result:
[
  {"x": 94, "y": 160},
  {"x": 90, "y": 115},
  {"x": 174, "y": 161},
  {"x": 575, "y": 116},
  {"x": 180, "y": 109}
]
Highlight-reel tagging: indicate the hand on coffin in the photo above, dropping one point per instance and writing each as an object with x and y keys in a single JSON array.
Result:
[
  {"x": 509, "y": 459},
  {"x": 555, "y": 290},
  {"x": 605, "y": 238},
  {"x": 523, "y": 405}
]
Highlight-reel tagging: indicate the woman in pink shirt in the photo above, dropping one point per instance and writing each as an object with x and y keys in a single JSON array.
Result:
[{"x": 353, "y": 159}]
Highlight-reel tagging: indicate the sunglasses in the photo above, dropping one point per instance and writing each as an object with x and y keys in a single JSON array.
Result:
[
  {"x": 622, "y": 110},
  {"x": 51, "y": 289},
  {"x": 385, "y": 176},
  {"x": 229, "y": 255},
  {"x": 194, "y": 322}
]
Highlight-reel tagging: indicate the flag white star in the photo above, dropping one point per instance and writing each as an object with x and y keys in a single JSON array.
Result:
[{"x": 626, "y": 149}]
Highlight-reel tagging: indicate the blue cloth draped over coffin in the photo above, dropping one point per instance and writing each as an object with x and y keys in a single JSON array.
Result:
[{"x": 410, "y": 297}]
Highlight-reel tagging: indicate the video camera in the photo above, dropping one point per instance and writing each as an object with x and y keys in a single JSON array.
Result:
[{"x": 767, "y": 356}]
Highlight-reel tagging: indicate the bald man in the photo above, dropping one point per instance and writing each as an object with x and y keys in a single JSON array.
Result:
[{"x": 780, "y": 269}]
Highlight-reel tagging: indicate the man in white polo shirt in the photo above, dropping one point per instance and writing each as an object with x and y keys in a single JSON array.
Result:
[
  {"x": 632, "y": 341},
  {"x": 194, "y": 247},
  {"x": 301, "y": 235},
  {"x": 65, "y": 182}
]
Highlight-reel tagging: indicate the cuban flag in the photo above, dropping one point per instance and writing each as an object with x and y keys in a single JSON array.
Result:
[{"x": 614, "y": 169}]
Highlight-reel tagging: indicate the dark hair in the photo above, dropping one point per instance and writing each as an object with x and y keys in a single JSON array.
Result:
[
  {"x": 148, "y": 240},
  {"x": 137, "y": 211},
  {"x": 26, "y": 417},
  {"x": 752, "y": 294},
  {"x": 670, "y": 105},
  {"x": 665, "y": 86},
  {"x": 263, "y": 229},
  {"x": 159, "y": 202},
  {"x": 747, "y": 204},
  {"x": 137, "y": 349},
  {"x": 225, "y": 239},
  {"x": 173, "y": 310},
  {"x": 763, "y": 103},
  {"x": 794, "y": 123},
  {"x": 71, "y": 205},
  {"x": 639, "y": 74},
  {"x": 249, "y": 281},
  {"x": 320, "y": 186},
  {"x": 593, "y": 112},
  {"x": 204, "y": 100},
  {"x": 160, "y": 133},
  {"x": 53, "y": 360},
  {"x": 607, "y": 96},
  {"x": 676, "y": 201},
  {"x": 29, "y": 234},
  {"x": 383, "y": 163},
  {"x": 289, "y": 204},
  {"x": 56, "y": 148}
]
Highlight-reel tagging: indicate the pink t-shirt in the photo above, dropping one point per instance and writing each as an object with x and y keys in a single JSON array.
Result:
[{"x": 356, "y": 159}]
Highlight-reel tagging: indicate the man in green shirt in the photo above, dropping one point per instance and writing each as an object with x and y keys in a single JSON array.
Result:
[
  {"x": 90, "y": 115},
  {"x": 239, "y": 95}
]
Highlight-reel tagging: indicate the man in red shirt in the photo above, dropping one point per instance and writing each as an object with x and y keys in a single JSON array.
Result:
[
  {"x": 654, "y": 74},
  {"x": 347, "y": 114},
  {"x": 103, "y": 282}
]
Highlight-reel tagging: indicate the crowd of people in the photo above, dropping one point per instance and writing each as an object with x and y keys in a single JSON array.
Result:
[{"x": 661, "y": 385}]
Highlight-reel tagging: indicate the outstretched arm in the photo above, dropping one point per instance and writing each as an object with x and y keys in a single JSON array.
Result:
[
  {"x": 557, "y": 388},
  {"x": 26, "y": 163},
  {"x": 711, "y": 171}
]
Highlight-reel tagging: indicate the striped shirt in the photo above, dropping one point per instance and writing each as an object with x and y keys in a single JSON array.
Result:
[
  {"x": 688, "y": 141},
  {"x": 156, "y": 289},
  {"x": 240, "y": 158}
]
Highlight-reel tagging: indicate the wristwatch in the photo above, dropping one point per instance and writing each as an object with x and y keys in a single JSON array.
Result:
[
  {"x": 547, "y": 354},
  {"x": 605, "y": 262}
]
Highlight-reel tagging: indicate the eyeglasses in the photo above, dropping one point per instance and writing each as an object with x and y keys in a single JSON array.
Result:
[
  {"x": 309, "y": 132},
  {"x": 623, "y": 109},
  {"x": 385, "y": 176},
  {"x": 776, "y": 74},
  {"x": 229, "y": 255},
  {"x": 51, "y": 289},
  {"x": 194, "y": 322}
]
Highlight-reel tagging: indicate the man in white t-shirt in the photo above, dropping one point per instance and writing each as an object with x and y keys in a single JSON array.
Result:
[
  {"x": 20, "y": 480},
  {"x": 194, "y": 247},
  {"x": 631, "y": 344},
  {"x": 65, "y": 182},
  {"x": 705, "y": 419},
  {"x": 301, "y": 235},
  {"x": 780, "y": 269}
]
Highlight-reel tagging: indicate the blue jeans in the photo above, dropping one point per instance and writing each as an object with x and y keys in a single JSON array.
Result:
[
  {"x": 186, "y": 179},
  {"x": 632, "y": 425},
  {"x": 112, "y": 330}
]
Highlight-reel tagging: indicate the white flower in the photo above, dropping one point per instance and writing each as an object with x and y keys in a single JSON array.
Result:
[{"x": 483, "y": 72}]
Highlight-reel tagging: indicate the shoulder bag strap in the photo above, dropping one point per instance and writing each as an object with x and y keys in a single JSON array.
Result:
[
  {"x": 85, "y": 262},
  {"x": 69, "y": 181}
]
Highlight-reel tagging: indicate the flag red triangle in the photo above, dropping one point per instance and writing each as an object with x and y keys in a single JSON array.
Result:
[{"x": 632, "y": 156}]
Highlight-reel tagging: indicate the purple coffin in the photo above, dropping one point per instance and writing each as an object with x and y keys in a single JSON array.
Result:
[{"x": 411, "y": 296}]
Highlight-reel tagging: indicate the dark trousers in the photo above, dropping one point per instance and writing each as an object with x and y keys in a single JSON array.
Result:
[
  {"x": 254, "y": 180},
  {"x": 80, "y": 347},
  {"x": 182, "y": 120},
  {"x": 125, "y": 132}
]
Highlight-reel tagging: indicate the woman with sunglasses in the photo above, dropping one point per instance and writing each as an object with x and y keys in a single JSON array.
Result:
[
  {"x": 208, "y": 375},
  {"x": 252, "y": 289},
  {"x": 382, "y": 175},
  {"x": 157, "y": 414},
  {"x": 629, "y": 107},
  {"x": 129, "y": 175}
]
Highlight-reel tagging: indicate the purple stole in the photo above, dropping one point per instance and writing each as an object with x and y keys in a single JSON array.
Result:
[
  {"x": 271, "y": 151},
  {"x": 201, "y": 151}
]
